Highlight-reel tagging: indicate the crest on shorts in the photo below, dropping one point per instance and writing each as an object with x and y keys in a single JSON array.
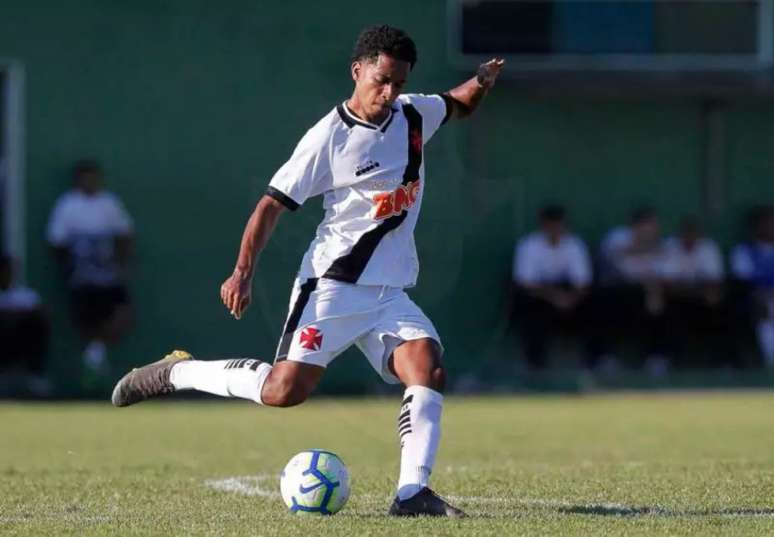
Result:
[{"x": 311, "y": 339}]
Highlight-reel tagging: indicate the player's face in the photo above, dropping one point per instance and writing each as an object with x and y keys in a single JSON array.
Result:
[{"x": 378, "y": 84}]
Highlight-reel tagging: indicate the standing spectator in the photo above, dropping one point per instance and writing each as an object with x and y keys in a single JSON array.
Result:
[
  {"x": 753, "y": 263},
  {"x": 631, "y": 297},
  {"x": 693, "y": 274},
  {"x": 91, "y": 233},
  {"x": 23, "y": 324},
  {"x": 552, "y": 274}
]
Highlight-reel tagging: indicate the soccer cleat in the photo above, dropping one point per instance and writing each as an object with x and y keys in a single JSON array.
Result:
[
  {"x": 424, "y": 503},
  {"x": 148, "y": 381}
]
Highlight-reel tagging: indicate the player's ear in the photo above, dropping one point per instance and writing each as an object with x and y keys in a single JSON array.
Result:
[{"x": 356, "y": 69}]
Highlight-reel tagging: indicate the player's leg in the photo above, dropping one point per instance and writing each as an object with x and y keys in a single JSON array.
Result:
[
  {"x": 288, "y": 383},
  {"x": 417, "y": 363},
  {"x": 306, "y": 347},
  {"x": 285, "y": 384},
  {"x": 405, "y": 348}
]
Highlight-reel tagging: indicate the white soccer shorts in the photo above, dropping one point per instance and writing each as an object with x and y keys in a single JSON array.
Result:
[{"x": 326, "y": 317}]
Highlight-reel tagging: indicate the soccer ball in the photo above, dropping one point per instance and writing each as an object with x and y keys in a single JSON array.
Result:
[{"x": 315, "y": 481}]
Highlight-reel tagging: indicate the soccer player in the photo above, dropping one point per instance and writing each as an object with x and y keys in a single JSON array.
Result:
[{"x": 366, "y": 158}]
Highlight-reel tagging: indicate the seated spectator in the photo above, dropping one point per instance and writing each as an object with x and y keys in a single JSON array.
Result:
[
  {"x": 753, "y": 263},
  {"x": 552, "y": 274},
  {"x": 24, "y": 329},
  {"x": 630, "y": 299},
  {"x": 91, "y": 233},
  {"x": 693, "y": 275}
]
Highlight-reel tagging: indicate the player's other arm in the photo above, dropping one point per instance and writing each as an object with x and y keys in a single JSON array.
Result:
[
  {"x": 464, "y": 99},
  {"x": 236, "y": 290}
]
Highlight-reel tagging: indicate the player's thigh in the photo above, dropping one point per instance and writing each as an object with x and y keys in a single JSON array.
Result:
[
  {"x": 322, "y": 322},
  {"x": 403, "y": 325}
]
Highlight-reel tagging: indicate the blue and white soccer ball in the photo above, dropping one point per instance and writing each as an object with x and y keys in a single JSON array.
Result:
[{"x": 316, "y": 482}]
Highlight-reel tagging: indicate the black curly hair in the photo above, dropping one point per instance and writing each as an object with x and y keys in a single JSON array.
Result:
[{"x": 383, "y": 39}]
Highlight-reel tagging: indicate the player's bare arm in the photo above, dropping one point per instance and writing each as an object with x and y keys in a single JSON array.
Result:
[
  {"x": 236, "y": 290},
  {"x": 466, "y": 97}
]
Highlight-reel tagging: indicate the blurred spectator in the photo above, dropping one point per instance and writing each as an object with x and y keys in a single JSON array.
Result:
[
  {"x": 91, "y": 234},
  {"x": 552, "y": 275},
  {"x": 693, "y": 274},
  {"x": 23, "y": 324},
  {"x": 753, "y": 263},
  {"x": 630, "y": 299}
]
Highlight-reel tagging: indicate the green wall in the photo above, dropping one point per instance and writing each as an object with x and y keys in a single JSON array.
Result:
[{"x": 191, "y": 106}]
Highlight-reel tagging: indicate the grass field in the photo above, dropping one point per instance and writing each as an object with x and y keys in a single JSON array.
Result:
[{"x": 693, "y": 464}]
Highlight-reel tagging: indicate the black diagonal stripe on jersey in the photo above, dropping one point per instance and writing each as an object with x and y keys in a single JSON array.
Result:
[
  {"x": 404, "y": 414},
  {"x": 408, "y": 399},
  {"x": 349, "y": 267},
  {"x": 404, "y": 432},
  {"x": 295, "y": 315},
  {"x": 254, "y": 365},
  {"x": 405, "y": 419},
  {"x": 229, "y": 364}
]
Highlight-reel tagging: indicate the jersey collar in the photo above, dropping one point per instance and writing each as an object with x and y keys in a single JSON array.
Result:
[{"x": 350, "y": 119}]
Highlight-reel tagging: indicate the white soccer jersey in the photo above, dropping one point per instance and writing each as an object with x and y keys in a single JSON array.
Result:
[{"x": 372, "y": 178}]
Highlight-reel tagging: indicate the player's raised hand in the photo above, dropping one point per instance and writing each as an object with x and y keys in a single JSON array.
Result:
[
  {"x": 488, "y": 71},
  {"x": 236, "y": 292}
]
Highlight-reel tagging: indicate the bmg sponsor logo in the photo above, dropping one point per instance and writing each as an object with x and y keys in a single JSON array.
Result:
[{"x": 394, "y": 203}]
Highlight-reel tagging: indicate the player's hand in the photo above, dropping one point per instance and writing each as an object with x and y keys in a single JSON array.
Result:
[
  {"x": 487, "y": 72},
  {"x": 236, "y": 291}
]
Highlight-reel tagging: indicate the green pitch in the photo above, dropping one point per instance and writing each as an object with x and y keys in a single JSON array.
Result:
[{"x": 700, "y": 464}]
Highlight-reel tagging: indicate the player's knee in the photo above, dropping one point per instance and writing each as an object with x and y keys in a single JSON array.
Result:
[
  {"x": 418, "y": 362},
  {"x": 438, "y": 379},
  {"x": 284, "y": 392}
]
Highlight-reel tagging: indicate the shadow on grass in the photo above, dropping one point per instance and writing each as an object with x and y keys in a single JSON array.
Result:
[{"x": 624, "y": 510}]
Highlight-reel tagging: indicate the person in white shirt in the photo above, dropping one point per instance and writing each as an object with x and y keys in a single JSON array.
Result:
[
  {"x": 552, "y": 276},
  {"x": 366, "y": 158},
  {"x": 630, "y": 301},
  {"x": 91, "y": 233},
  {"x": 753, "y": 264},
  {"x": 693, "y": 275},
  {"x": 24, "y": 326}
]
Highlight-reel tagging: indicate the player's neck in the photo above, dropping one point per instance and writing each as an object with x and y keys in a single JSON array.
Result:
[{"x": 356, "y": 108}]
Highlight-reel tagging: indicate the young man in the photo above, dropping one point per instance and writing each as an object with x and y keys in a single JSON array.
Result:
[
  {"x": 365, "y": 157},
  {"x": 91, "y": 234},
  {"x": 552, "y": 275}
]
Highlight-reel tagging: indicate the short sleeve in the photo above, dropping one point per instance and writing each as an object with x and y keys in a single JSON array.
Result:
[
  {"x": 433, "y": 108},
  {"x": 306, "y": 174},
  {"x": 741, "y": 265},
  {"x": 525, "y": 269},
  {"x": 120, "y": 222},
  {"x": 58, "y": 227}
]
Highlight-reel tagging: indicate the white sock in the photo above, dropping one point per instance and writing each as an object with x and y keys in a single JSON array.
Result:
[
  {"x": 419, "y": 428},
  {"x": 766, "y": 340},
  {"x": 240, "y": 377}
]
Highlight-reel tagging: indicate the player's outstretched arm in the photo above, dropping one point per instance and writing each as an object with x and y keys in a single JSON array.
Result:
[
  {"x": 466, "y": 96},
  {"x": 236, "y": 290}
]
